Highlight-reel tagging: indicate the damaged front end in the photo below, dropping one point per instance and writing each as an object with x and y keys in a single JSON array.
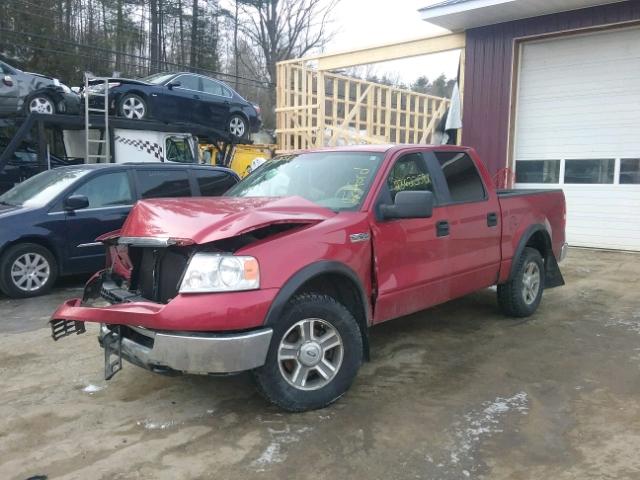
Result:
[
  {"x": 145, "y": 320},
  {"x": 172, "y": 302}
]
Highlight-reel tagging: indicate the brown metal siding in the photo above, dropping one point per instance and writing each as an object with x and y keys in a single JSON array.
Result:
[{"x": 488, "y": 67}]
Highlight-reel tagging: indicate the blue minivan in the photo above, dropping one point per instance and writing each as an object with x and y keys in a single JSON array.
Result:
[{"x": 50, "y": 222}]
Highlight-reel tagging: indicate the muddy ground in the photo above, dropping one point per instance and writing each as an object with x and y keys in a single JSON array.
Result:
[{"x": 456, "y": 392}]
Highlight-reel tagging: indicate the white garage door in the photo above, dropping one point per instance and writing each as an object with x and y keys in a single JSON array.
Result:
[{"x": 577, "y": 126}]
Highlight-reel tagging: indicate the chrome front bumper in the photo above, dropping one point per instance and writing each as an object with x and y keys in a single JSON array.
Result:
[{"x": 194, "y": 353}]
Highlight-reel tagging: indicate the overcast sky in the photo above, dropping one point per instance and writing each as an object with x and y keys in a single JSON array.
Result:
[{"x": 363, "y": 23}]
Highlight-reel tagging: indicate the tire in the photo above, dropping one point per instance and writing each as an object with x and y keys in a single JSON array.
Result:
[
  {"x": 40, "y": 277},
  {"x": 133, "y": 107},
  {"x": 40, "y": 103},
  {"x": 279, "y": 379},
  {"x": 521, "y": 296},
  {"x": 238, "y": 126}
]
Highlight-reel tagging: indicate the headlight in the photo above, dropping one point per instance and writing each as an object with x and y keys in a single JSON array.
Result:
[{"x": 212, "y": 272}]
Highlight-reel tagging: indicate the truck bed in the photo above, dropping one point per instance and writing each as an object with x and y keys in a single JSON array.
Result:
[{"x": 525, "y": 191}]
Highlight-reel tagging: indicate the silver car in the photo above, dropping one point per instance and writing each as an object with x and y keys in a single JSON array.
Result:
[{"x": 24, "y": 93}]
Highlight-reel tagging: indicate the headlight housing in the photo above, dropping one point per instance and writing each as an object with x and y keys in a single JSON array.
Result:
[{"x": 213, "y": 272}]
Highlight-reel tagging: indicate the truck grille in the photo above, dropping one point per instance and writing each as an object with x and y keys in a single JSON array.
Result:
[{"x": 157, "y": 272}]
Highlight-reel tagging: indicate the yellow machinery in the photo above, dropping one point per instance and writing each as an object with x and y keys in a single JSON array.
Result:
[{"x": 241, "y": 158}]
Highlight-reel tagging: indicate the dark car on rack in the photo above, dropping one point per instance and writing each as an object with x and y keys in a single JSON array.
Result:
[
  {"x": 49, "y": 223},
  {"x": 22, "y": 93},
  {"x": 179, "y": 97},
  {"x": 23, "y": 164}
]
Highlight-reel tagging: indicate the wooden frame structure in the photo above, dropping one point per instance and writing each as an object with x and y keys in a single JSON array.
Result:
[{"x": 316, "y": 107}]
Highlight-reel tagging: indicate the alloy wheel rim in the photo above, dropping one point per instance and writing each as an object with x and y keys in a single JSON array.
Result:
[
  {"x": 236, "y": 126},
  {"x": 41, "y": 105},
  {"x": 530, "y": 283},
  {"x": 30, "y": 272},
  {"x": 310, "y": 354},
  {"x": 133, "y": 108}
]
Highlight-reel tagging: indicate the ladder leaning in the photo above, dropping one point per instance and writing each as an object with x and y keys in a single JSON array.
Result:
[{"x": 92, "y": 89}]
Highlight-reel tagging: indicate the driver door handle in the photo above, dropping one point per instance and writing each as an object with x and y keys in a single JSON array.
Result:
[{"x": 442, "y": 228}]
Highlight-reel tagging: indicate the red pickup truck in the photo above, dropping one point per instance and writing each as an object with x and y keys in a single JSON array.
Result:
[{"x": 285, "y": 274}]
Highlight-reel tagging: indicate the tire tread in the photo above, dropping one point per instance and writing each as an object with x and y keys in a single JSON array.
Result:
[
  {"x": 509, "y": 294},
  {"x": 261, "y": 379}
]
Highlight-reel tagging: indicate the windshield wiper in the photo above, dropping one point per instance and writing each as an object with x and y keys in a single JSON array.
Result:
[{"x": 7, "y": 204}]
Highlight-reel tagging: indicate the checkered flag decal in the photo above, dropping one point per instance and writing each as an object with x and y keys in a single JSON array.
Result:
[{"x": 142, "y": 145}]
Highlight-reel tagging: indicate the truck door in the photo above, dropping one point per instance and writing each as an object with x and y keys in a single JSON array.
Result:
[
  {"x": 472, "y": 223},
  {"x": 411, "y": 260}
]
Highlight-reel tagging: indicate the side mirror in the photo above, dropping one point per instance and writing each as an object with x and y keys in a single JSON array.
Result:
[
  {"x": 409, "y": 205},
  {"x": 76, "y": 202},
  {"x": 173, "y": 84}
]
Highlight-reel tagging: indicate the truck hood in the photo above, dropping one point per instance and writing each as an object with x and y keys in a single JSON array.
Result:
[{"x": 204, "y": 220}]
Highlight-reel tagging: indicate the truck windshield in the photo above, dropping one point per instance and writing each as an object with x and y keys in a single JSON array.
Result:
[
  {"x": 37, "y": 191},
  {"x": 336, "y": 180}
]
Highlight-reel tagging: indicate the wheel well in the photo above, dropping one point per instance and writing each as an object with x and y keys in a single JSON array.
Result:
[
  {"x": 135, "y": 92},
  {"x": 38, "y": 241},
  {"x": 130, "y": 92},
  {"x": 345, "y": 291},
  {"x": 32, "y": 95},
  {"x": 541, "y": 242},
  {"x": 239, "y": 113}
]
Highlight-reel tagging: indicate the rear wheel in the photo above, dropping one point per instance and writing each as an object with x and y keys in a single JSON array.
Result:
[
  {"x": 238, "y": 126},
  {"x": 521, "y": 296},
  {"x": 133, "y": 107},
  {"x": 27, "y": 270},
  {"x": 315, "y": 353}
]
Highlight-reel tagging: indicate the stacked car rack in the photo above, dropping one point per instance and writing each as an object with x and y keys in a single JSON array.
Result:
[{"x": 92, "y": 120}]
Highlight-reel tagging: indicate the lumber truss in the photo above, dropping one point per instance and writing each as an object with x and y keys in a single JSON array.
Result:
[{"x": 317, "y": 108}]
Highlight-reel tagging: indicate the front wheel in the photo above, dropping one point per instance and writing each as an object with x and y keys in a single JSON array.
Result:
[
  {"x": 521, "y": 296},
  {"x": 27, "y": 270},
  {"x": 133, "y": 107},
  {"x": 41, "y": 104},
  {"x": 315, "y": 353}
]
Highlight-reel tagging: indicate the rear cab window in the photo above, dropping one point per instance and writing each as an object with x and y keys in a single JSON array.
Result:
[
  {"x": 461, "y": 176},
  {"x": 161, "y": 182}
]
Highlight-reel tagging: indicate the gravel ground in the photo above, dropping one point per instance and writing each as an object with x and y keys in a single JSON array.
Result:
[{"x": 455, "y": 392}]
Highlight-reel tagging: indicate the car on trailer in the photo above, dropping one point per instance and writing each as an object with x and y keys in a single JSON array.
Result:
[
  {"x": 49, "y": 223},
  {"x": 181, "y": 97},
  {"x": 22, "y": 93}
]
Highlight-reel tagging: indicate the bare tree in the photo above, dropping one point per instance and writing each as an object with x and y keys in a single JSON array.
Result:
[
  {"x": 193, "y": 58},
  {"x": 284, "y": 29}
]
